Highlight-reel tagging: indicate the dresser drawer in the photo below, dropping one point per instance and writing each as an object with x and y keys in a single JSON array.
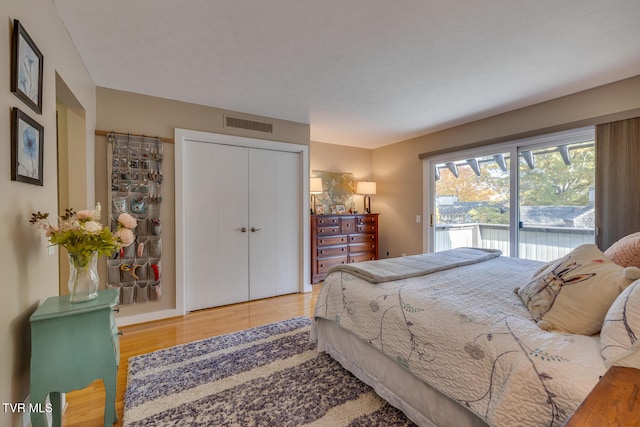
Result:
[
  {"x": 325, "y": 264},
  {"x": 367, "y": 219},
  {"x": 362, "y": 247},
  {"x": 325, "y": 221},
  {"x": 362, "y": 238},
  {"x": 348, "y": 225},
  {"x": 362, "y": 257},
  {"x": 367, "y": 228},
  {"x": 328, "y": 231},
  {"x": 328, "y": 251},
  {"x": 328, "y": 241}
]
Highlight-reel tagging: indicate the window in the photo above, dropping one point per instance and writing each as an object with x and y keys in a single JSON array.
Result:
[{"x": 539, "y": 207}]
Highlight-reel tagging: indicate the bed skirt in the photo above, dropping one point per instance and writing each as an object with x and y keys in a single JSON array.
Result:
[{"x": 421, "y": 403}]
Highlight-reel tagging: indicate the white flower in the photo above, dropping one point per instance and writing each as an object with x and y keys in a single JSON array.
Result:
[
  {"x": 126, "y": 236},
  {"x": 127, "y": 220},
  {"x": 92, "y": 226}
]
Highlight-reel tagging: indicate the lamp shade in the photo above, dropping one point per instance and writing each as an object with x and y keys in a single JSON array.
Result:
[
  {"x": 366, "y": 187},
  {"x": 315, "y": 185}
]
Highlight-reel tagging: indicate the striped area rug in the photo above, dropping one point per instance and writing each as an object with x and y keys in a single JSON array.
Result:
[{"x": 265, "y": 376}]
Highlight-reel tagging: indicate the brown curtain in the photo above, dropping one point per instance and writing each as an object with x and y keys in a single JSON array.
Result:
[{"x": 617, "y": 209}]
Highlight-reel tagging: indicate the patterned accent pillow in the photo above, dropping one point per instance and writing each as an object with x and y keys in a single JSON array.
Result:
[
  {"x": 620, "y": 336},
  {"x": 574, "y": 293},
  {"x": 626, "y": 251}
]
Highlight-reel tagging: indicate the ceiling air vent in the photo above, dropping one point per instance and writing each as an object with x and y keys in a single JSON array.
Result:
[{"x": 235, "y": 122}]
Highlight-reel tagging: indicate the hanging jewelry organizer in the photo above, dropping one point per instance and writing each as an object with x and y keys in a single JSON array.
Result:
[{"x": 136, "y": 181}]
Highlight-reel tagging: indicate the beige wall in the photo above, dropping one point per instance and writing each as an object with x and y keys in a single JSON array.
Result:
[
  {"x": 398, "y": 168},
  {"x": 126, "y": 112},
  {"x": 29, "y": 274}
]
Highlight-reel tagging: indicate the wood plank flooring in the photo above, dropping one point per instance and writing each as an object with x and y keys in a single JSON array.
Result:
[{"x": 85, "y": 407}]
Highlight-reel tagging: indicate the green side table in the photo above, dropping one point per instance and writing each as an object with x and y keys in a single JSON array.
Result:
[{"x": 73, "y": 345}]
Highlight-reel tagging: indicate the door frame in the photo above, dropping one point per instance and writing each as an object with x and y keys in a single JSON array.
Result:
[{"x": 183, "y": 136}]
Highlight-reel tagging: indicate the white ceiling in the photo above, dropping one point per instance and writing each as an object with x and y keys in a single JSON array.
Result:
[{"x": 364, "y": 73}]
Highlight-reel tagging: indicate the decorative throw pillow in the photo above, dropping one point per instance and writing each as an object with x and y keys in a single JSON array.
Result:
[
  {"x": 620, "y": 335},
  {"x": 626, "y": 251},
  {"x": 574, "y": 293}
]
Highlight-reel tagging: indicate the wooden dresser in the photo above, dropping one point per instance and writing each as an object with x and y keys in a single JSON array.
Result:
[
  {"x": 342, "y": 239},
  {"x": 614, "y": 401}
]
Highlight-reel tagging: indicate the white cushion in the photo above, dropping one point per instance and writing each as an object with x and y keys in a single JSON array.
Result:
[
  {"x": 574, "y": 293},
  {"x": 620, "y": 335}
]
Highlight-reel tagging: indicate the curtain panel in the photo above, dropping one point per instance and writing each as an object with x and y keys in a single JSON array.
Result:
[{"x": 617, "y": 180}]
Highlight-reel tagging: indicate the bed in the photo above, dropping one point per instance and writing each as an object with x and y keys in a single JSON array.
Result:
[{"x": 452, "y": 344}]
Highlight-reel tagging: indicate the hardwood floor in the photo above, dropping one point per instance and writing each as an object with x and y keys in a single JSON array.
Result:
[{"x": 85, "y": 407}]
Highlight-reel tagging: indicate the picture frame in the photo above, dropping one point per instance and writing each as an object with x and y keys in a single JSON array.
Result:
[
  {"x": 333, "y": 209},
  {"x": 341, "y": 209},
  {"x": 27, "y": 149},
  {"x": 27, "y": 68},
  {"x": 319, "y": 209}
]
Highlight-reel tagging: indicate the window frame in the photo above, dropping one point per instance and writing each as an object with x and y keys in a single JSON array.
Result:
[{"x": 514, "y": 148}]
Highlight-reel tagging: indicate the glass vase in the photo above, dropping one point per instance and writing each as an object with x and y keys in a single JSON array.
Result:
[{"x": 83, "y": 276}]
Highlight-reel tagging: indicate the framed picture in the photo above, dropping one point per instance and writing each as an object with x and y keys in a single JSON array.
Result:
[
  {"x": 26, "y": 70},
  {"x": 27, "y": 146},
  {"x": 341, "y": 209},
  {"x": 319, "y": 209},
  {"x": 333, "y": 209}
]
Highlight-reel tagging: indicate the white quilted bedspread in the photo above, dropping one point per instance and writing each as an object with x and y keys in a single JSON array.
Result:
[{"x": 465, "y": 332}]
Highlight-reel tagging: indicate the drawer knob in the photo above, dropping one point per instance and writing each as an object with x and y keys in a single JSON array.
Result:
[{"x": 120, "y": 333}]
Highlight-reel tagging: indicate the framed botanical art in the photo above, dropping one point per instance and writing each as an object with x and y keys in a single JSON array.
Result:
[
  {"x": 26, "y": 70},
  {"x": 27, "y": 146}
]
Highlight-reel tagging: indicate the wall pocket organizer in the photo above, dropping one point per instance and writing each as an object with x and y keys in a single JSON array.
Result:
[{"x": 135, "y": 169}]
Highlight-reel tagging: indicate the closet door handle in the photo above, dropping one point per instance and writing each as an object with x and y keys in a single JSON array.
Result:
[
  {"x": 253, "y": 229},
  {"x": 243, "y": 229}
]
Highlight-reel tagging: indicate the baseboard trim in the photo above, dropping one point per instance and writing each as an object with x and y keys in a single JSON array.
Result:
[{"x": 147, "y": 317}]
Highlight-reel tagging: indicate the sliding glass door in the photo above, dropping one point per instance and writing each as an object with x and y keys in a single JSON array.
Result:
[
  {"x": 539, "y": 207},
  {"x": 472, "y": 201},
  {"x": 556, "y": 199}
]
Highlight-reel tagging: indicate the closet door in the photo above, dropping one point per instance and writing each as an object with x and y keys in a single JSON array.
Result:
[
  {"x": 215, "y": 214},
  {"x": 274, "y": 223}
]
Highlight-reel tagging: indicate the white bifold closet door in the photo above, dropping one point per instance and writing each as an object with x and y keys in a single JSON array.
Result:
[
  {"x": 242, "y": 222},
  {"x": 274, "y": 221}
]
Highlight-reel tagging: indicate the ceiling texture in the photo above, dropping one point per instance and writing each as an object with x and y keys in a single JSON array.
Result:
[{"x": 364, "y": 73}]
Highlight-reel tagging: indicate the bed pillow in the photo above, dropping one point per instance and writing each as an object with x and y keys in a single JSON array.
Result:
[
  {"x": 620, "y": 336},
  {"x": 574, "y": 293},
  {"x": 626, "y": 251}
]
